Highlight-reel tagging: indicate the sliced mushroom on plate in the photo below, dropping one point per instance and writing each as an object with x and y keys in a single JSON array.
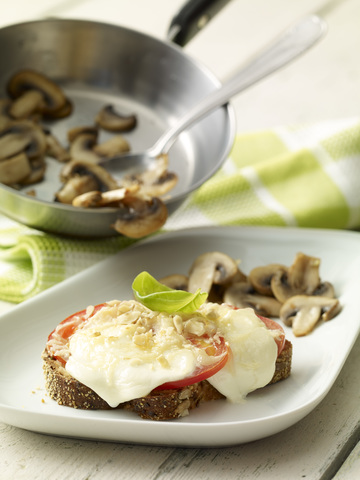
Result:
[
  {"x": 219, "y": 275},
  {"x": 54, "y": 101},
  {"x": 211, "y": 268},
  {"x": 302, "y": 277},
  {"x": 324, "y": 289},
  {"x": 110, "y": 120},
  {"x": 177, "y": 281},
  {"x": 139, "y": 217},
  {"x": 303, "y": 312},
  {"x": 243, "y": 295},
  {"x": 260, "y": 277}
]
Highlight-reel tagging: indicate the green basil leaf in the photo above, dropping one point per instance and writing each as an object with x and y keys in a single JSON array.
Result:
[{"x": 159, "y": 297}]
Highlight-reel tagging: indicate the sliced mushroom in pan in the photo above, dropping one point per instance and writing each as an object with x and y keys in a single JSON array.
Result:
[
  {"x": 15, "y": 169},
  {"x": 79, "y": 168},
  {"x": 112, "y": 147},
  {"x": 139, "y": 217},
  {"x": 38, "y": 169},
  {"x": 27, "y": 104},
  {"x": 82, "y": 140},
  {"x": 110, "y": 120},
  {"x": 155, "y": 181},
  {"x": 80, "y": 177},
  {"x": 55, "y": 149},
  {"x": 5, "y": 119},
  {"x": 54, "y": 99},
  {"x": 22, "y": 136},
  {"x": 96, "y": 199},
  {"x": 75, "y": 186}
]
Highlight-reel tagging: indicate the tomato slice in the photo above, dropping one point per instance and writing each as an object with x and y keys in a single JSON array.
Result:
[
  {"x": 68, "y": 326},
  {"x": 280, "y": 337},
  {"x": 219, "y": 349}
]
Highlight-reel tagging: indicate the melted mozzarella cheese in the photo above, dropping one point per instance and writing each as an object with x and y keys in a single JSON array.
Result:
[
  {"x": 251, "y": 364},
  {"x": 126, "y": 350}
]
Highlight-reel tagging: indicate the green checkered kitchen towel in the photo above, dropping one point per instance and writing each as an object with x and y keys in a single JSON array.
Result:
[{"x": 303, "y": 176}]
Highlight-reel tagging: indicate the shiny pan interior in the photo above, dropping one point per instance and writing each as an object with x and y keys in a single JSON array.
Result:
[{"x": 98, "y": 64}]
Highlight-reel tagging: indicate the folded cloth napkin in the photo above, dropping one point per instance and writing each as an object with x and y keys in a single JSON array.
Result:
[{"x": 303, "y": 176}]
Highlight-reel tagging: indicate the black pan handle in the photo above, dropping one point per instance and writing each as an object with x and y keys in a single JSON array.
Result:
[{"x": 191, "y": 18}]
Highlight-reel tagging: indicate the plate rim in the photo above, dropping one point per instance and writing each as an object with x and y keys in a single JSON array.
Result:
[{"x": 246, "y": 231}]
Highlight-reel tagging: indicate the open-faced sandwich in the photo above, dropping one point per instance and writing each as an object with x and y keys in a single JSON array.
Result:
[{"x": 162, "y": 354}]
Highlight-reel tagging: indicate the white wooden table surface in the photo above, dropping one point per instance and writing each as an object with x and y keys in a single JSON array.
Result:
[{"x": 323, "y": 84}]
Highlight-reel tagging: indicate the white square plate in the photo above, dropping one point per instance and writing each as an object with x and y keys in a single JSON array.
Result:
[{"x": 317, "y": 360}]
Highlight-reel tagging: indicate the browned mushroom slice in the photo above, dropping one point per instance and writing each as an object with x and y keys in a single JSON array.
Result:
[
  {"x": 260, "y": 277},
  {"x": 302, "y": 277},
  {"x": 95, "y": 199},
  {"x": 53, "y": 96},
  {"x": 303, "y": 312},
  {"x": 139, "y": 217},
  {"x": 37, "y": 174},
  {"x": 12, "y": 142},
  {"x": 82, "y": 140},
  {"x": 243, "y": 295},
  {"x": 27, "y": 104},
  {"x": 156, "y": 180},
  {"x": 211, "y": 268},
  {"x": 112, "y": 147},
  {"x": 22, "y": 136},
  {"x": 74, "y": 187},
  {"x": 5, "y": 119},
  {"x": 110, "y": 120},
  {"x": 81, "y": 177},
  {"x": 79, "y": 168},
  {"x": 54, "y": 148},
  {"x": 177, "y": 281},
  {"x": 15, "y": 169},
  {"x": 74, "y": 132},
  {"x": 325, "y": 289},
  {"x": 62, "y": 112},
  {"x": 90, "y": 199}
]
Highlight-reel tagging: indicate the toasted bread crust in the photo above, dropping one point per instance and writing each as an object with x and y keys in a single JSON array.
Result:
[
  {"x": 283, "y": 363},
  {"x": 158, "y": 405}
]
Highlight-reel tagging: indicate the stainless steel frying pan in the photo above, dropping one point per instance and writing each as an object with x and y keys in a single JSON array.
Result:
[{"x": 98, "y": 64}]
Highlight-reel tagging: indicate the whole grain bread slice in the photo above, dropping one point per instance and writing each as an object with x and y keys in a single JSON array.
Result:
[{"x": 158, "y": 405}]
